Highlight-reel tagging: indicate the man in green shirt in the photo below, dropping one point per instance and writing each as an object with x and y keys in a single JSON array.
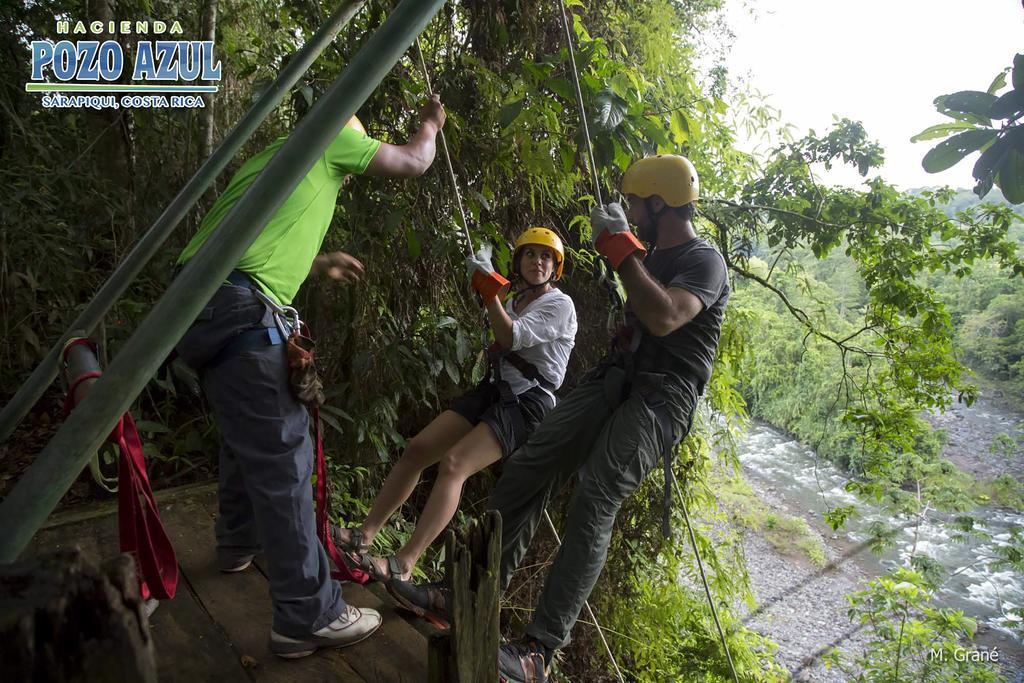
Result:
[{"x": 236, "y": 345}]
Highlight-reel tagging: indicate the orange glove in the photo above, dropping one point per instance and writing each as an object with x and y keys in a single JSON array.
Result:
[
  {"x": 482, "y": 276},
  {"x": 612, "y": 235}
]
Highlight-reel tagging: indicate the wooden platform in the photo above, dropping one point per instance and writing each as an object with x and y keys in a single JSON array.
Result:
[{"x": 218, "y": 625}]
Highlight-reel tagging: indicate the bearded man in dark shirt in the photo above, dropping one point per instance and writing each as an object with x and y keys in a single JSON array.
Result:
[{"x": 625, "y": 415}]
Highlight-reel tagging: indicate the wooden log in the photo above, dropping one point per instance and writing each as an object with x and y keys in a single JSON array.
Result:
[
  {"x": 62, "y": 618},
  {"x": 468, "y": 653}
]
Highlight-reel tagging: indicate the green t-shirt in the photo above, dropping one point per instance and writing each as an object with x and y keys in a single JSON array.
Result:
[{"x": 280, "y": 258}]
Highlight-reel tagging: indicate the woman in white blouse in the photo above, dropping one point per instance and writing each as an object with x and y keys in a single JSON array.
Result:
[{"x": 534, "y": 332}]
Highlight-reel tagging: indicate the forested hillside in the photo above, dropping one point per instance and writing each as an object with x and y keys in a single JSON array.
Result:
[{"x": 854, "y": 310}]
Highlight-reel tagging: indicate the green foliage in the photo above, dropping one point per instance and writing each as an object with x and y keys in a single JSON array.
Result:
[
  {"x": 1003, "y": 444},
  {"x": 994, "y": 336},
  {"x": 909, "y": 640},
  {"x": 1001, "y": 162},
  {"x": 666, "y": 633}
]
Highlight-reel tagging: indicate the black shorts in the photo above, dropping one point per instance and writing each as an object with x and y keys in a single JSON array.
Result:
[{"x": 482, "y": 403}]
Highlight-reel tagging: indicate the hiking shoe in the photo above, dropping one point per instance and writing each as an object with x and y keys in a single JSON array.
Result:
[
  {"x": 430, "y": 601},
  {"x": 229, "y": 563},
  {"x": 352, "y": 626},
  {"x": 522, "y": 661}
]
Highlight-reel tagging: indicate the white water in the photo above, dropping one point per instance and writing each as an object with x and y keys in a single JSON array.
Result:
[{"x": 778, "y": 462}]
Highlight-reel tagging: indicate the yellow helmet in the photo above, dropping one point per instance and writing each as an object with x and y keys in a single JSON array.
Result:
[
  {"x": 354, "y": 122},
  {"x": 670, "y": 176},
  {"x": 543, "y": 237}
]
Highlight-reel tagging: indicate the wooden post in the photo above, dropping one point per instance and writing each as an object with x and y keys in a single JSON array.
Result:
[
  {"x": 64, "y": 619},
  {"x": 468, "y": 652}
]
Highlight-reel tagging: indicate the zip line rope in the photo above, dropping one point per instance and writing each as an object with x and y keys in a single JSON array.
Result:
[
  {"x": 579, "y": 103},
  {"x": 458, "y": 197},
  {"x": 704, "y": 580},
  {"x": 590, "y": 612},
  {"x": 603, "y": 270},
  {"x": 447, "y": 157}
]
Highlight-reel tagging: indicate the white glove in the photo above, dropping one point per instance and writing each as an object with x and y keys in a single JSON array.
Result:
[
  {"x": 609, "y": 217},
  {"x": 481, "y": 261}
]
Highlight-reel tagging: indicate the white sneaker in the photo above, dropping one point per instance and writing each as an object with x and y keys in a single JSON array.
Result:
[{"x": 352, "y": 626}]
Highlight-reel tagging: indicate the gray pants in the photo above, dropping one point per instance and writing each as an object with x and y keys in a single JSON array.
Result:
[
  {"x": 266, "y": 462},
  {"x": 614, "y": 446}
]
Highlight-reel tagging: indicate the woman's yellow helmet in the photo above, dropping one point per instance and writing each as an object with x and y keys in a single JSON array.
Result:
[{"x": 544, "y": 237}]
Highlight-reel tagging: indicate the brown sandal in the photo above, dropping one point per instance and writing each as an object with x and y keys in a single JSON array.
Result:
[
  {"x": 392, "y": 570},
  {"x": 356, "y": 542}
]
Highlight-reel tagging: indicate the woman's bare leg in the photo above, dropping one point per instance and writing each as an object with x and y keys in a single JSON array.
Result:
[
  {"x": 423, "y": 450},
  {"x": 474, "y": 452}
]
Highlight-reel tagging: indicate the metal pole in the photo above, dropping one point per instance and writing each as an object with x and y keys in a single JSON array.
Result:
[
  {"x": 447, "y": 159},
  {"x": 41, "y": 378},
  {"x": 35, "y": 495}
]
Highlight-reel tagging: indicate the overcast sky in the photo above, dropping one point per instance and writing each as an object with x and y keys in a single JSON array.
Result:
[{"x": 881, "y": 62}]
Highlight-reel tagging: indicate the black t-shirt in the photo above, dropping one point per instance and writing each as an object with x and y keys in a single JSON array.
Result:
[{"x": 688, "y": 352}]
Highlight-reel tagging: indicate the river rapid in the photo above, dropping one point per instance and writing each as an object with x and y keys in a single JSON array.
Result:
[{"x": 804, "y": 608}]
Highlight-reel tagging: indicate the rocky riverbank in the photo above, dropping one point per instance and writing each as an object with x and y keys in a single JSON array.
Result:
[
  {"x": 803, "y": 607},
  {"x": 985, "y": 439}
]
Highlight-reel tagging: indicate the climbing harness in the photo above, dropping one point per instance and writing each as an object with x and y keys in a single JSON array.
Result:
[
  {"x": 602, "y": 269},
  {"x": 140, "y": 530},
  {"x": 285, "y": 317},
  {"x": 306, "y": 387},
  {"x": 507, "y": 398},
  {"x": 620, "y": 381},
  {"x": 622, "y": 377}
]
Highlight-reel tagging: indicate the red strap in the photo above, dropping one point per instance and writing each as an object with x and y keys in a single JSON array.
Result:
[
  {"x": 142, "y": 533},
  {"x": 69, "y": 398},
  {"x": 342, "y": 573}
]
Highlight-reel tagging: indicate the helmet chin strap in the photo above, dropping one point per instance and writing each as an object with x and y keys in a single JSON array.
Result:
[{"x": 529, "y": 288}]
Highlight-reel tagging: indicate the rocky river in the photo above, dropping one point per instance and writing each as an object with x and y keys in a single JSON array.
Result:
[{"x": 804, "y": 608}]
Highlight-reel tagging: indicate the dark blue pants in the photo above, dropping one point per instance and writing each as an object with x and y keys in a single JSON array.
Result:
[{"x": 266, "y": 462}]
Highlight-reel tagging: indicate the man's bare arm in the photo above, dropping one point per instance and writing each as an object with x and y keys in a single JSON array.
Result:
[
  {"x": 415, "y": 157},
  {"x": 661, "y": 310}
]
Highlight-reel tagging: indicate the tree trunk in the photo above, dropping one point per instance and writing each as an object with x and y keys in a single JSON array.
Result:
[
  {"x": 469, "y": 651},
  {"x": 64, "y": 619},
  {"x": 209, "y": 32},
  {"x": 113, "y": 148}
]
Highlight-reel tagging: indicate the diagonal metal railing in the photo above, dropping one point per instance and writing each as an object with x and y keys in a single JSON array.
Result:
[
  {"x": 144, "y": 250},
  {"x": 51, "y": 474}
]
